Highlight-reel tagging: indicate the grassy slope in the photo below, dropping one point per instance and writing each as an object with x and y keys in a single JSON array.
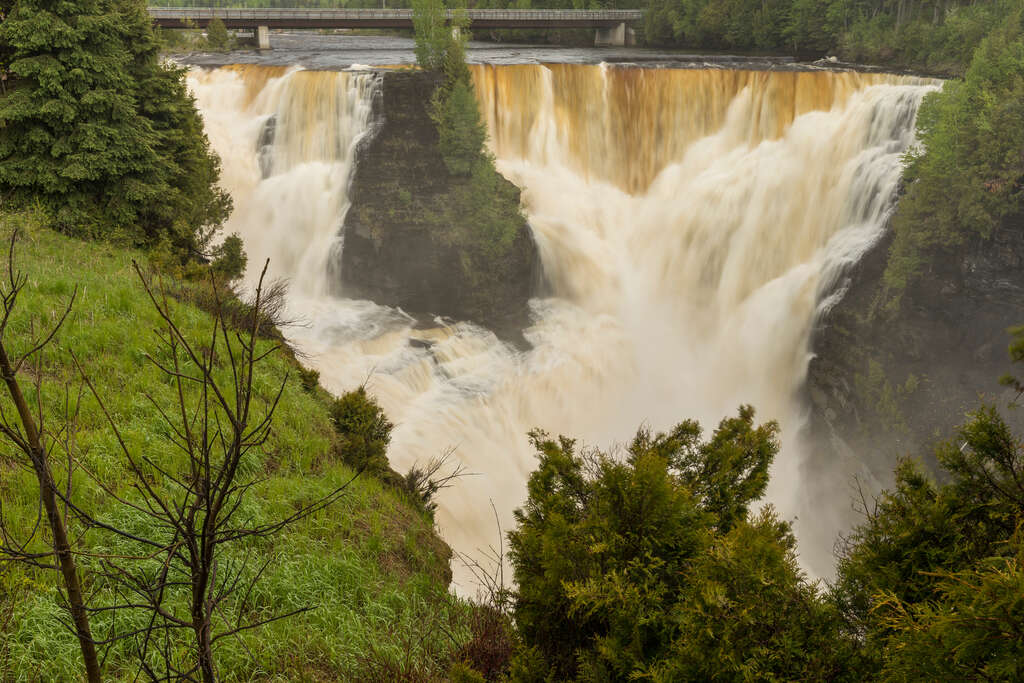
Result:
[{"x": 371, "y": 564}]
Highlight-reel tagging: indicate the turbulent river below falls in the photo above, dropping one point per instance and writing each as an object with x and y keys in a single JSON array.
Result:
[{"x": 692, "y": 224}]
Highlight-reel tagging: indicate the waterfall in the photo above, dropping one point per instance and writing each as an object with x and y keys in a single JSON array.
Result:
[
  {"x": 287, "y": 141},
  {"x": 691, "y": 223}
]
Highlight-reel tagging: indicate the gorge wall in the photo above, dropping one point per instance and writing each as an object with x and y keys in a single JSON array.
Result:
[{"x": 892, "y": 382}]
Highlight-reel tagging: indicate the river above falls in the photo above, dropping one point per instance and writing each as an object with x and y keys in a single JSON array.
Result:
[{"x": 340, "y": 51}]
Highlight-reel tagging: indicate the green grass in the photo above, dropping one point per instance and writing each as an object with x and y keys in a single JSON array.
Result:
[{"x": 371, "y": 564}]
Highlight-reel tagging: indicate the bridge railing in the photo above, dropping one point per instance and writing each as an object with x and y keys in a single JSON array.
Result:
[{"x": 340, "y": 14}]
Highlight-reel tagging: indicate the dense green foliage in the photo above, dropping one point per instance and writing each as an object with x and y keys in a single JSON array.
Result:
[
  {"x": 967, "y": 175},
  {"x": 100, "y": 133},
  {"x": 651, "y": 567},
  {"x": 931, "y": 34},
  {"x": 971, "y": 631},
  {"x": 906, "y": 574}
]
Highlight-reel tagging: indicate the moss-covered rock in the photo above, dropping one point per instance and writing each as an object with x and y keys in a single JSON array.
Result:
[{"x": 422, "y": 238}]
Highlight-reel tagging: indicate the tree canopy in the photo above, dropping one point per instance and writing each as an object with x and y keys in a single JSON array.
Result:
[
  {"x": 651, "y": 566},
  {"x": 99, "y": 132}
]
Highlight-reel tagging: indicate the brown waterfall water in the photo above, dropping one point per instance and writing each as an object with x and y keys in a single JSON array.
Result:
[{"x": 692, "y": 224}]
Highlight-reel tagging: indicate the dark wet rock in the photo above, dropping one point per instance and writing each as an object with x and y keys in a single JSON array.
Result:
[
  {"x": 894, "y": 382},
  {"x": 394, "y": 252},
  {"x": 265, "y": 146}
]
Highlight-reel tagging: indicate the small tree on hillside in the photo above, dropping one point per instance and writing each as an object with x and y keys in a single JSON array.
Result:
[
  {"x": 31, "y": 434},
  {"x": 364, "y": 431},
  {"x": 183, "y": 574}
]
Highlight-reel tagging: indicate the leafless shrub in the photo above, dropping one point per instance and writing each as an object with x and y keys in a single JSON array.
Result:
[
  {"x": 34, "y": 439},
  {"x": 424, "y": 483},
  {"x": 182, "y": 576},
  {"x": 492, "y": 634}
]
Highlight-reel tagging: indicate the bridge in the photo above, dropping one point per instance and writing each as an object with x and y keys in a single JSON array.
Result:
[{"x": 611, "y": 25}]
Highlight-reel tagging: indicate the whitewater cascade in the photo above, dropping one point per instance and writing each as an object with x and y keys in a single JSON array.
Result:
[{"x": 691, "y": 223}]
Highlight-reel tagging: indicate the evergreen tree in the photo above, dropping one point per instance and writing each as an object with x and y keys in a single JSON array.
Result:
[
  {"x": 973, "y": 631},
  {"x": 431, "y": 34},
  {"x": 5, "y": 50},
  {"x": 191, "y": 206},
  {"x": 217, "y": 37},
  {"x": 480, "y": 215},
  {"x": 99, "y": 132},
  {"x": 904, "y": 574},
  {"x": 364, "y": 431},
  {"x": 69, "y": 133}
]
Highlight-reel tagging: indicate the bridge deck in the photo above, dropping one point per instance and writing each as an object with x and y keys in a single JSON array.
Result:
[{"x": 385, "y": 18}]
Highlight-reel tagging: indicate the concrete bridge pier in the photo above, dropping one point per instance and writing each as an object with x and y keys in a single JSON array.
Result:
[
  {"x": 263, "y": 37},
  {"x": 619, "y": 35}
]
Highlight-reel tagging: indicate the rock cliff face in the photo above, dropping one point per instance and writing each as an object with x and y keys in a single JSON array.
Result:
[
  {"x": 397, "y": 250},
  {"x": 892, "y": 383}
]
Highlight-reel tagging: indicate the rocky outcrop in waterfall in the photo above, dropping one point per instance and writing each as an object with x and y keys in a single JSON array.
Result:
[
  {"x": 398, "y": 246},
  {"x": 875, "y": 382}
]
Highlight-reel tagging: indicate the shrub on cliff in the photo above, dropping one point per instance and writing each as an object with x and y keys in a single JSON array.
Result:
[
  {"x": 364, "y": 431},
  {"x": 101, "y": 134}
]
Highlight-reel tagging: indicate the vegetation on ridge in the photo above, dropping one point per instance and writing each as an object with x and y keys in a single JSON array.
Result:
[{"x": 966, "y": 176}]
